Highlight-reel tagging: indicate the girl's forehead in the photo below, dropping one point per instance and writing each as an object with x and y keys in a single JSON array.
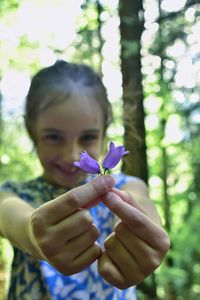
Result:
[{"x": 74, "y": 113}]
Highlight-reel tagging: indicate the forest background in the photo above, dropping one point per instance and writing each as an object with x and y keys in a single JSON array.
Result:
[{"x": 148, "y": 53}]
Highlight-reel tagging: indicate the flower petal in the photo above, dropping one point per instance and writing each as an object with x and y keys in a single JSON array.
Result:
[
  {"x": 113, "y": 156},
  {"x": 87, "y": 164}
]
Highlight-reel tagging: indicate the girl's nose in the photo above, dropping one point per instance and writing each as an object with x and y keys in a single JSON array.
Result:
[{"x": 71, "y": 153}]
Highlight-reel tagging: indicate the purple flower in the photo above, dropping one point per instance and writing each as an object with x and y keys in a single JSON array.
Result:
[
  {"x": 91, "y": 166},
  {"x": 88, "y": 164},
  {"x": 113, "y": 156}
]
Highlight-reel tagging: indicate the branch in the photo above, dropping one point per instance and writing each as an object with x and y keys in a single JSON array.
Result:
[{"x": 173, "y": 15}]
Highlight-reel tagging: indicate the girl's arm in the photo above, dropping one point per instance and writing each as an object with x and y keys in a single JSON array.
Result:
[{"x": 15, "y": 215}]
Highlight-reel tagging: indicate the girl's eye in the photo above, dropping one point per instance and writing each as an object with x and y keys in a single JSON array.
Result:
[
  {"x": 53, "y": 137},
  {"x": 89, "y": 138}
]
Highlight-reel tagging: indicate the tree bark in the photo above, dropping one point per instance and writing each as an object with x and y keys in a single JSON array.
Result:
[
  {"x": 100, "y": 9},
  {"x": 131, "y": 28}
]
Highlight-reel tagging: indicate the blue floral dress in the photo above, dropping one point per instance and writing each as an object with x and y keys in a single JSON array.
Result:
[{"x": 32, "y": 279}]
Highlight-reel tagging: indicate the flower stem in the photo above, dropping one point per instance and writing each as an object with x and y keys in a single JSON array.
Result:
[{"x": 105, "y": 170}]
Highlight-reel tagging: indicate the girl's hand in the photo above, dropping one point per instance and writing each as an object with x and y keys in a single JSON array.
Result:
[
  {"x": 136, "y": 247},
  {"x": 62, "y": 231}
]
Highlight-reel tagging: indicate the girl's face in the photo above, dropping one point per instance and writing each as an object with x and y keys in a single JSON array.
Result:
[{"x": 64, "y": 130}]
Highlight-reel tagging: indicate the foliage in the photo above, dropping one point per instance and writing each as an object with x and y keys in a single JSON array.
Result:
[
  {"x": 17, "y": 157},
  {"x": 8, "y": 5},
  {"x": 172, "y": 126},
  {"x": 173, "y": 151}
]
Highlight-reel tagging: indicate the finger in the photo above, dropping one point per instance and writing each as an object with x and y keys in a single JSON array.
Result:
[
  {"x": 81, "y": 243},
  {"x": 66, "y": 204},
  {"x": 146, "y": 257},
  {"x": 137, "y": 222},
  {"x": 130, "y": 198},
  {"x": 74, "y": 247},
  {"x": 59, "y": 234},
  {"x": 111, "y": 273},
  {"x": 124, "y": 260},
  {"x": 67, "y": 229},
  {"x": 80, "y": 263},
  {"x": 125, "y": 196}
]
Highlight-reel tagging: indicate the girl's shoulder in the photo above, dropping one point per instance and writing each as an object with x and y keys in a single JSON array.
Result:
[
  {"x": 30, "y": 191},
  {"x": 17, "y": 186}
]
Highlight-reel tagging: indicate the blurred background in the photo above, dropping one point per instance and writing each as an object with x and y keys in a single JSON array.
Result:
[{"x": 148, "y": 54}]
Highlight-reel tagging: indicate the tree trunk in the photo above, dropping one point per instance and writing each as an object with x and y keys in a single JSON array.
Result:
[
  {"x": 100, "y": 9},
  {"x": 131, "y": 28},
  {"x": 170, "y": 291}
]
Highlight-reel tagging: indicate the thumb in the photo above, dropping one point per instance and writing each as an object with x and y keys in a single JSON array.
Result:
[
  {"x": 128, "y": 198},
  {"x": 83, "y": 196}
]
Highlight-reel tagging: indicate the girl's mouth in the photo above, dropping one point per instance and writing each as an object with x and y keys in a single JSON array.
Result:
[{"x": 68, "y": 170}]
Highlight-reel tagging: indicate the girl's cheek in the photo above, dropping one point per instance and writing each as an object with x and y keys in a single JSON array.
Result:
[
  {"x": 48, "y": 161},
  {"x": 95, "y": 153}
]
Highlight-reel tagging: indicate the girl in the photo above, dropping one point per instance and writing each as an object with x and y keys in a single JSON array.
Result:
[{"x": 61, "y": 224}]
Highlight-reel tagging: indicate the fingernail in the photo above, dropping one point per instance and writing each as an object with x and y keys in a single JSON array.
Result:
[
  {"x": 109, "y": 196},
  {"x": 109, "y": 180}
]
